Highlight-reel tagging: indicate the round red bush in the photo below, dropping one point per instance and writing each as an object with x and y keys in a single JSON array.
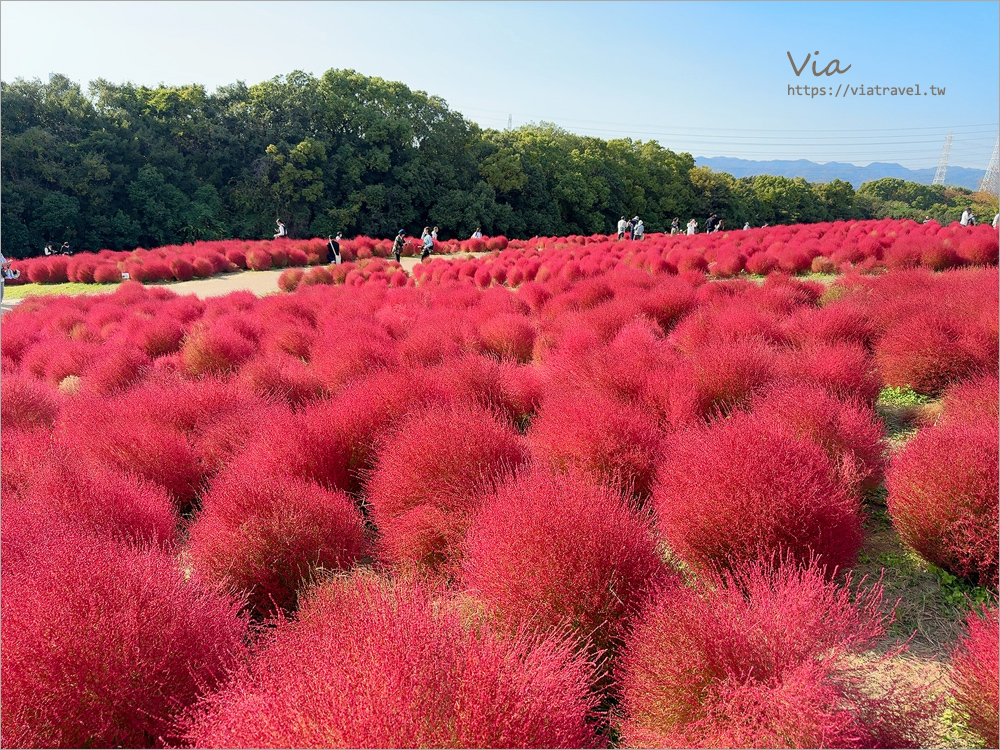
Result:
[
  {"x": 182, "y": 269},
  {"x": 202, "y": 267},
  {"x": 105, "y": 645},
  {"x": 577, "y": 554},
  {"x": 943, "y": 498},
  {"x": 366, "y": 665},
  {"x": 431, "y": 474},
  {"x": 745, "y": 488},
  {"x": 975, "y": 672},
  {"x": 849, "y": 432},
  {"x": 258, "y": 259},
  {"x": 614, "y": 442},
  {"x": 107, "y": 273},
  {"x": 264, "y": 535},
  {"x": 214, "y": 350},
  {"x": 766, "y": 658},
  {"x": 925, "y": 353}
]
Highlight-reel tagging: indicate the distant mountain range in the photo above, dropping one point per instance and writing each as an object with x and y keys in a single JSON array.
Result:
[{"x": 813, "y": 172}]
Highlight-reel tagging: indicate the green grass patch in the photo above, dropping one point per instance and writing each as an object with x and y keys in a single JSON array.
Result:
[
  {"x": 26, "y": 290},
  {"x": 902, "y": 396}
]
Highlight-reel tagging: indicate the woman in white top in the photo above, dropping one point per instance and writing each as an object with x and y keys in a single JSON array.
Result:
[
  {"x": 477, "y": 235},
  {"x": 692, "y": 227}
]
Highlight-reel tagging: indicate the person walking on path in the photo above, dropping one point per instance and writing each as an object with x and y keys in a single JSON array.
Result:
[
  {"x": 334, "y": 247},
  {"x": 4, "y": 268},
  {"x": 622, "y": 224},
  {"x": 692, "y": 227},
  {"x": 428, "y": 239},
  {"x": 397, "y": 245}
]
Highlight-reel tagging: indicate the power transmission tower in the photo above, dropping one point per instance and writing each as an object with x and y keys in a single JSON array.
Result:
[
  {"x": 991, "y": 180},
  {"x": 510, "y": 121},
  {"x": 943, "y": 163}
]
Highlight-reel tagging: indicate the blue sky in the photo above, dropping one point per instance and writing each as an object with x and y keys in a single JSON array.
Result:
[{"x": 709, "y": 78}]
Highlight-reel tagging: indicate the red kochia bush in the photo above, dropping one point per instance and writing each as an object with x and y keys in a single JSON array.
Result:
[
  {"x": 264, "y": 534},
  {"x": 141, "y": 444},
  {"x": 549, "y": 550},
  {"x": 972, "y": 401},
  {"x": 765, "y": 658},
  {"x": 943, "y": 498},
  {"x": 848, "y": 431},
  {"x": 612, "y": 441},
  {"x": 742, "y": 489},
  {"x": 99, "y": 500},
  {"x": 370, "y": 666},
  {"x": 27, "y": 403},
  {"x": 925, "y": 353},
  {"x": 431, "y": 475},
  {"x": 975, "y": 671},
  {"x": 214, "y": 350},
  {"x": 104, "y": 645}
]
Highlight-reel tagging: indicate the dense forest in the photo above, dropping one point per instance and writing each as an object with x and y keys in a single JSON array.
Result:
[{"x": 121, "y": 166}]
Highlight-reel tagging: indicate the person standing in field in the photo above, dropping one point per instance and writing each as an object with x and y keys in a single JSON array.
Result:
[
  {"x": 434, "y": 234},
  {"x": 428, "y": 240},
  {"x": 675, "y": 226},
  {"x": 692, "y": 227},
  {"x": 4, "y": 270},
  {"x": 622, "y": 224},
  {"x": 710, "y": 224},
  {"x": 282, "y": 232},
  {"x": 478, "y": 234},
  {"x": 334, "y": 247},
  {"x": 638, "y": 230},
  {"x": 397, "y": 245},
  {"x": 965, "y": 217},
  {"x": 746, "y": 225}
]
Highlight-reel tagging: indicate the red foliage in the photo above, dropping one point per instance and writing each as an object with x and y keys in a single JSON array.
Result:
[
  {"x": 180, "y": 267},
  {"x": 844, "y": 369},
  {"x": 371, "y": 666},
  {"x": 213, "y": 350},
  {"x": 943, "y": 498},
  {"x": 99, "y": 432},
  {"x": 431, "y": 475},
  {"x": 27, "y": 403},
  {"x": 104, "y": 645},
  {"x": 972, "y": 401},
  {"x": 264, "y": 535},
  {"x": 97, "y": 500},
  {"x": 975, "y": 672},
  {"x": 742, "y": 489},
  {"x": 613, "y": 442},
  {"x": 766, "y": 658},
  {"x": 849, "y": 433},
  {"x": 577, "y": 554},
  {"x": 926, "y": 353},
  {"x": 290, "y": 279},
  {"x": 508, "y": 336}
]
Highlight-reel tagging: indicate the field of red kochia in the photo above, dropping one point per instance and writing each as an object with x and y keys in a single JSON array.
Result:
[
  {"x": 532, "y": 499},
  {"x": 837, "y": 247}
]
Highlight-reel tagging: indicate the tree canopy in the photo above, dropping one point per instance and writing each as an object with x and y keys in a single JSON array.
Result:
[{"x": 121, "y": 166}]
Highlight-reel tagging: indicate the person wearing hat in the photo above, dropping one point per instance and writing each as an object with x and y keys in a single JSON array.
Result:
[
  {"x": 632, "y": 225},
  {"x": 334, "y": 246},
  {"x": 397, "y": 245},
  {"x": 638, "y": 230}
]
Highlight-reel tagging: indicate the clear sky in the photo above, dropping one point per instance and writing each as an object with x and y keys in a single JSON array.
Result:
[{"x": 709, "y": 78}]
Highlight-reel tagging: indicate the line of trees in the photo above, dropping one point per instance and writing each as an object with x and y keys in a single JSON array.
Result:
[{"x": 122, "y": 166}]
